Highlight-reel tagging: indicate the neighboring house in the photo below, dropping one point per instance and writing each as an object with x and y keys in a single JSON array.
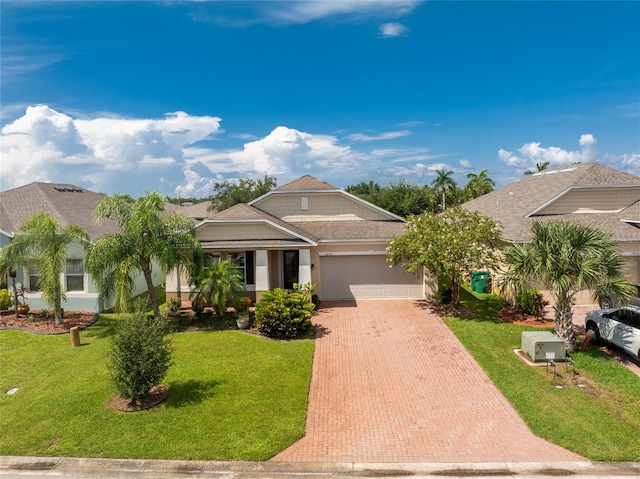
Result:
[
  {"x": 308, "y": 231},
  {"x": 587, "y": 193},
  {"x": 67, "y": 204},
  {"x": 197, "y": 211}
]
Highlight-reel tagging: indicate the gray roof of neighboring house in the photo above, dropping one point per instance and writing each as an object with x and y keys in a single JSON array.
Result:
[
  {"x": 511, "y": 205},
  {"x": 198, "y": 211},
  {"x": 306, "y": 183},
  {"x": 66, "y": 203}
]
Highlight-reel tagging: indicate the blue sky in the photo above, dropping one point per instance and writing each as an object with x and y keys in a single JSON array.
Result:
[{"x": 173, "y": 96}]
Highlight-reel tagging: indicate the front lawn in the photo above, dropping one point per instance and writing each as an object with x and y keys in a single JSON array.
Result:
[
  {"x": 233, "y": 396},
  {"x": 595, "y": 414}
]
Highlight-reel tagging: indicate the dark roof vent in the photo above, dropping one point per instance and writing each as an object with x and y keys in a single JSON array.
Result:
[{"x": 64, "y": 189}]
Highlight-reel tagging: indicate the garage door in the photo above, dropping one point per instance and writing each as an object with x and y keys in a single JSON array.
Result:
[{"x": 365, "y": 277}]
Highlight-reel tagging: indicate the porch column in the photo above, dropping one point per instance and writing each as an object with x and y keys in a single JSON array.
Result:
[
  {"x": 172, "y": 281},
  {"x": 304, "y": 266},
  {"x": 262, "y": 270}
]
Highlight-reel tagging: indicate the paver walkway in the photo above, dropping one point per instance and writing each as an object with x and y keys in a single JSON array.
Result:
[{"x": 391, "y": 383}]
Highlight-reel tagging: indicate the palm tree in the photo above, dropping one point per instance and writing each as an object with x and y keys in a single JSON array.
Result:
[
  {"x": 567, "y": 258},
  {"x": 539, "y": 167},
  {"x": 479, "y": 184},
  {"x": 216, "y": 284},
  {"x": 443, "y": 182},
  {"x": 147, "y": 234},
  {"x": 41, "y": 240}
]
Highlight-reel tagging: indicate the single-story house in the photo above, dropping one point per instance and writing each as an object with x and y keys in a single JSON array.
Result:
[
  {"x": 587, "y": 193},
  {"x": 308, "y": 231},
  {"x": 67, "y": 204}
]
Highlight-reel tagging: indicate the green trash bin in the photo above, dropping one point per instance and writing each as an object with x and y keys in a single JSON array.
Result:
[{"x": 480, "y": 281}]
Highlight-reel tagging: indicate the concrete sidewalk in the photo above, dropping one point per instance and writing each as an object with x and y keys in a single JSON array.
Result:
[{"x": 392, "y": 384}]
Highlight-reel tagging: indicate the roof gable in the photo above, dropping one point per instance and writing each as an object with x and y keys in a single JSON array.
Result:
[
  {"x": 246, "y": 214},
  {"x": 515, "y": 205},
  {"x": 306, "y": 186}
]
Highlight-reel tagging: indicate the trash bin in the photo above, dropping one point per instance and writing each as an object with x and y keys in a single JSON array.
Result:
[{"x": 480, "y": 281}]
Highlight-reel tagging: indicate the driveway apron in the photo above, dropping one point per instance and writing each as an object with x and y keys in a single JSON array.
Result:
[{"x": 391, "y": 383}]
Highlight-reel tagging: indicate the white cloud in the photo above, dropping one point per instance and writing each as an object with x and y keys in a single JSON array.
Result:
[
  {"x": 297, "y": 12},
  {"x": 532, "y": 153},
  {"x": 389, "y": 135},
  {"x": 286, "y": 150},
  {"x": 466, "y": 164},
  {"x": 304, "y": 11},
  {"x": 392, "y": 29},
  {"x": 104, "y": 154}
]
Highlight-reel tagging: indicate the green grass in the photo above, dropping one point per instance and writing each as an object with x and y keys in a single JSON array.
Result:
[
  {"x": 600, "y": 421},
  {"x": 233, "y": 396}
]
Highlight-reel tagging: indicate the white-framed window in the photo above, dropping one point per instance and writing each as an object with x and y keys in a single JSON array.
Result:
[
  {"x": 238, "y": 259},
  {"x": 34, "y": 277},
  {"x": 210, "y": 259},
  {"x": 74, "y": 275}
]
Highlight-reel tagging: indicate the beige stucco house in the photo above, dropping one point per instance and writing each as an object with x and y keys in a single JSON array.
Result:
[
  {"x": 308, "y": 231},
  {"x": 588, "y": 193}
]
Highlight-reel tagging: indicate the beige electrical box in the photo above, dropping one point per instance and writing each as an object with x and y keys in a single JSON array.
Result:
[{"x": 543, "y": 346}]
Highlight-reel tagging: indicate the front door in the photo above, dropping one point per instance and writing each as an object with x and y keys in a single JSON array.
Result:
[{"x": 291, "y": 261}]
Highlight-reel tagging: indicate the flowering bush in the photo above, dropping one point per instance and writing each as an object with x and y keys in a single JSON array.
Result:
[{"x": 243, "y": 304}]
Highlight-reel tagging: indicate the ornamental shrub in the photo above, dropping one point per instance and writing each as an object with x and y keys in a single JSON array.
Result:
[
  {"x": 282, "y": 314},
  {"x": 532, "y": 302},
  {"x": 140, "y": 355},
  {"x": 6, "y": 301}
]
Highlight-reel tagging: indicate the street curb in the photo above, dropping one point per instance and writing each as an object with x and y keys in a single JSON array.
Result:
[{"x": 538, "y": 469}]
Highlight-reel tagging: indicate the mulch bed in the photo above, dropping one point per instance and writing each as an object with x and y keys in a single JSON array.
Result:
[
  {"x": 155, "y": 396},
  {"x": 36, "y": 321},
  {"x": 515, "y": 315},
  {"x": 508, "y": 314}
]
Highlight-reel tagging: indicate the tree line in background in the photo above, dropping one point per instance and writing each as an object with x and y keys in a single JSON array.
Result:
[{"x": 401, "y": 198}]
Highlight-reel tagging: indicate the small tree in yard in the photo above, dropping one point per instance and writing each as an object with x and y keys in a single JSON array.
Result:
[
  {"x": 567, "y": 258},
  {"x": 218, "y": 284},
  {"x": 449, "y": 246},
  {"x": 42, "y": 240},
  {"x": 140, "y": 355}
]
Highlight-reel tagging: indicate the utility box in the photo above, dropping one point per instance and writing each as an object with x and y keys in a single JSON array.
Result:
[{"x": 543, "y": 346}]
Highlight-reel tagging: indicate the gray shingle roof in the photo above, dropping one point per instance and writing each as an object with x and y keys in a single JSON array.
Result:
[
  {"x": 199, "y": 211},
  {"x": 66, "y": 203},
  {"x": 243, "y": 211},
  {"x": 353, "y": 230},
  {"x": 511, "y": 205},
  {"x": 306, "y": 183}
]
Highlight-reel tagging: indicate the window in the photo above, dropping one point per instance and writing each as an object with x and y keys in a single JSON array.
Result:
[
  {"x": 34, "y": 277},
  {"x": 238, "y": 260},
  {"x": 75, "y": 275},
  {"x": 210, "y": 259}
]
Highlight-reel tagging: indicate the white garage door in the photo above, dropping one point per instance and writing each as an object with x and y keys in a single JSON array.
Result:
[{"x": 366, "y": 277}]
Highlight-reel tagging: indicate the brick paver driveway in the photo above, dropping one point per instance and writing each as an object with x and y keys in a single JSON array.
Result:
[{"x": 391, "y": 383}]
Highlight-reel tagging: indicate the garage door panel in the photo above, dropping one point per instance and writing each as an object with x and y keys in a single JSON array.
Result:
[{"x": 366, "y": 277}]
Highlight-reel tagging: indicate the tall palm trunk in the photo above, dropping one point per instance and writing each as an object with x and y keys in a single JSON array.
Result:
[
  {"x": 564, "y": 323},
  {"x": 146, "y": 269},
  {"x": 15, "y": 292},
  {"x": 57, "y": 308}
]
